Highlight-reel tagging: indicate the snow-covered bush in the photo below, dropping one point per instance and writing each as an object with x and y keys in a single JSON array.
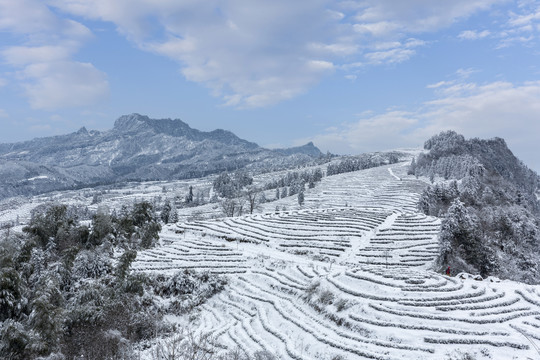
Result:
[
  {"x": 91, "y": 264},
  {"x": 187, "y": 288}
]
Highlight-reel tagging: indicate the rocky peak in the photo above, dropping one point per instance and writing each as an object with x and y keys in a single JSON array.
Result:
[
  {"x": 131, "y": 123},
  {"x": 82, "y": 131}
]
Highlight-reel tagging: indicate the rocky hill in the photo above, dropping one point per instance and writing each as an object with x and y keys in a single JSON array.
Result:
[{"x": 137, "y": 148}]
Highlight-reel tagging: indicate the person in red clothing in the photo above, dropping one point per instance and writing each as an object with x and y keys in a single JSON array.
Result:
[{"x": 448, "y": 271}]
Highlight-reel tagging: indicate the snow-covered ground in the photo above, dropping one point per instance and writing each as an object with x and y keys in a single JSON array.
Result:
[{"x": 349, "y": 273}]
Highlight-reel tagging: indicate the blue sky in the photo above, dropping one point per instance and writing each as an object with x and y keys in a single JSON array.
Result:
[{"x": 352, "y": 76}]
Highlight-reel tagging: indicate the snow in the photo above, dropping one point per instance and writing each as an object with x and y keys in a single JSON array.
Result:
[
  {"x": 38, "y": 177},
  {"x": 359, "y": 239},
  {"x": 392, "y": 173},
  {"x": 399, "y": 308}
]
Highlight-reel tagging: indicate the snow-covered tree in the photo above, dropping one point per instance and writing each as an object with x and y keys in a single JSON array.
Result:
[
  {"x": 301, "y": 198},
  {"x": 166, "y": 211}
]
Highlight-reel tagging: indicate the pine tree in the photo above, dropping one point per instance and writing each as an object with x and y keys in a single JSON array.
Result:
[
  {"x": 189, "y": 196},
  {"x": 173, "y": 217},
  {"x": 166, "y": 211}
]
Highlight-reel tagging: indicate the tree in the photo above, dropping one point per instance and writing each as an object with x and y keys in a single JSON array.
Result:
[
  {"x": 96, "y": 199},
  {"x": 232, "y": 207},
  {"x": 166, "y": 211},
  {"x": 11, "y": 297},
  {"x": 251, "y": 195},
  {"x": 139, "y": 225},
  {"x": 47, "y": 314},
  {"x": 102, "y": 226},
  {"x": 456, "y": 230},
  {"x": 189, "y": 196},
  {"x": 173, "y": 217},
  {"x": 301, "y": 198},
  {"x": 124, "y": 263}
]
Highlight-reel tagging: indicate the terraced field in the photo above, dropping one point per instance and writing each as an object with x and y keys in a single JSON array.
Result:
[
  {"x": 194, "y": 254},
  {"x": 374, "y": 313},
  {"x": 323, "y": 232},
  {"x": 329, "y": 281}
]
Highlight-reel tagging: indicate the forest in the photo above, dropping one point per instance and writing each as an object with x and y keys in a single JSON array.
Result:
[
  {"x": 67, "y": 290},
  {"x": 487, "y": 200}
]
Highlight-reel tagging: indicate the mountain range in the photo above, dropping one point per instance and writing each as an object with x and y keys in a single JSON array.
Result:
[{"x": 137, "y": 148}]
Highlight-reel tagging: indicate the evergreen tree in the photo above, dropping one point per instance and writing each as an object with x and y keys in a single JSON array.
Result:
[
  {"x": 173, "y": 217},
  {"x": 189, "y": 196},
  {"x": 166, "y": 211}
]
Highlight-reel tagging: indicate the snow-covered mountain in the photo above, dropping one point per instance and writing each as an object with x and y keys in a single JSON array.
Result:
[{"x": 137, "y": 148}]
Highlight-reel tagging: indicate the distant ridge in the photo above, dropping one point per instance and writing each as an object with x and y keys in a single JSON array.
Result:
[{"x": 137, "y": 148}]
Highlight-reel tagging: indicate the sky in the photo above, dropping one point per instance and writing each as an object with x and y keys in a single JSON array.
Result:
[{"x": 351, "y": 76}]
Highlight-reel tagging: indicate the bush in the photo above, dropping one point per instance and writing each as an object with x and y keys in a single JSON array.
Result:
[{"x": 326, "y": 297}]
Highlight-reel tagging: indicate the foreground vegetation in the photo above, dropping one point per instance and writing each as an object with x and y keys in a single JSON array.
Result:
[{"x": 67, "y": 291}]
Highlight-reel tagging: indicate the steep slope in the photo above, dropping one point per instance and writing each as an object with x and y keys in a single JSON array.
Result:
[{"x": 137, "y": 148}]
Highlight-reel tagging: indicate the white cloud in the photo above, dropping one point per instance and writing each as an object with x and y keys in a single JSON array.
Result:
[
  {"x": 390, "y": 56},
  {"x": 56, "y": 85},
  {"x": 474, "y": 34},
  {"x": 26, "y": 17},
  {"x": 393, "y": 52},
  {"x": 44, "y": 61},
  {"x": 500, "y": 109},
  {"x": 260, "y": 52},
  {"x": 465, "y": 73},
  {"x": 387, "y": 17},
  {"x": 24, "y": 55},
  {"x": 251, "y": 54},
  {"x": 378, "y": 132},
  {"x": 438, "y": 84},
  {"x": 522, "y": 25}
]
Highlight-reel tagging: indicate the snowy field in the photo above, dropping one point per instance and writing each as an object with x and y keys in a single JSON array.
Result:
[{"x": 347, "y": 275}]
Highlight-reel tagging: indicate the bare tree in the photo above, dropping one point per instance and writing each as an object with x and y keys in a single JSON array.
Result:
[
  {"x": 186, "y": 346},
  {"x": 232, "y": 207},
  {"x": 251, "y": 196}
]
